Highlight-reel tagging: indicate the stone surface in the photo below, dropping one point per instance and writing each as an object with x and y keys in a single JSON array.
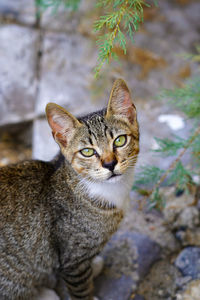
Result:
[
  {"x": 21, "y": 11},
  {"x": 160, "y": 283},
  {"x": 188, "y": 262},
  {"x": 17, "y": 73},
  {"x": 128, "y": 257},
  {"x": 65, "y": 19},
  {"x": 66, "y": 70},
  {"x": 42, "y": 137},
  {"x": 188, "y": 236},
  {"x": 138, "y": 297},
  {"x": 151, "y": 225},
  {"x": 192, "y": 291},
  {"x": 111, "y": 288}
]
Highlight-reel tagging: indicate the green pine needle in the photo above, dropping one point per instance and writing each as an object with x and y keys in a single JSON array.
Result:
[
  {"x": 55, "y": 4},
  {"x": 157, "y": 200},
  {"x": 180, "y": 176},
  {"x": 148, "y": 176},
  {"x": 121, "y": 20},
  {"x": 169, "y": 147},
  {"x": 186, "y": 99}
]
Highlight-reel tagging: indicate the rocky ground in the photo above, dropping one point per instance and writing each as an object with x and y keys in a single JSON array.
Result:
[{"x": 154, "y": 256}]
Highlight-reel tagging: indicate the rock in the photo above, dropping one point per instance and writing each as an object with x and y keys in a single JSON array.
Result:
[
  {"x": 152, "y": 225},
  {"x": 111, "y": 288},
  {"x": 148, "y": 252},
  {"x": 21, "y": 11},
  {"x": 44, "y": 145},
  {"x": 128, "y": 257},
  {"x": 188, "y": 262},
  {"x": 138, "y": 297},
  {"x": 193, "y": 291},
  {"x": 160, "y": 283},
  {"x": 66, "y": 70},
  {"x": 180, "y": 211},
  {"x": 17, "y": 73},
  {"x": 136, "y": 252},
  {"x": 188, "y": 236},
  {"x": 64, "y": 19},
  {"x": 189, "y": 217}
]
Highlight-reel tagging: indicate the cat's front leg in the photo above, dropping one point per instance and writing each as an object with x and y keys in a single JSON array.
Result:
[{"x": 79, "y": 282}]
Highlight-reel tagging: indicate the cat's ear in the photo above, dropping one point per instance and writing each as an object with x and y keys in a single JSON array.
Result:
[
  {"x": 120, "y": 104},
  {"x": 62, "y": 123}
]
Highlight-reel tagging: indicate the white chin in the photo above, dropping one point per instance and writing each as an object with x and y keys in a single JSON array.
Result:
[{"x": 114, "y": 179}]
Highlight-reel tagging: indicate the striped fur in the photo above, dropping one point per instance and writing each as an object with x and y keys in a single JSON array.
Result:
[{"x": 57, "y": 216}]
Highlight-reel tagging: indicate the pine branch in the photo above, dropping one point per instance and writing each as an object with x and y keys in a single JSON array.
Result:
[
  {"x": 186, "y": 99},
  {"x": 168, "y": 147},
  {"x": 43, "y": 5},
  {"x": 124, "y": 19},
  {"x": 174, "y": 163}
]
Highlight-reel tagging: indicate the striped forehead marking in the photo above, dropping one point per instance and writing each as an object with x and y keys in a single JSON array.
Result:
[{"x": 97, "y": 127}]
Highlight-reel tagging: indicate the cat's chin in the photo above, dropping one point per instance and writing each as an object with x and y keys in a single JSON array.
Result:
[{"x": 114, "y": 178}]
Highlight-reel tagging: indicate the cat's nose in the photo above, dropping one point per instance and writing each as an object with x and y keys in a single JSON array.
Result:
[{"x": 110, "y": 165}]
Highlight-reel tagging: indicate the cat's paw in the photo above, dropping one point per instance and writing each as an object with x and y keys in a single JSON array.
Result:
[
  {"x": 46, "y": 294},
  {"x": 95, "y": 298},
  {"x": 97, "y": 265}
]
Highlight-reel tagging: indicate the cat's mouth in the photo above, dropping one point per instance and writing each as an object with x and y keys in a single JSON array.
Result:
[{"x": 113, "y": 176}]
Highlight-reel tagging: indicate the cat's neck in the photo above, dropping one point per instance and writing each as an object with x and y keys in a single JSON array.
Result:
[
  {"x": 114, "y": 193},
  {"x": 107, "y": 194}
]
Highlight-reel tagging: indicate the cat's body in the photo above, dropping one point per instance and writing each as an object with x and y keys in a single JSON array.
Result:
[{"x": 57, "y": 216}]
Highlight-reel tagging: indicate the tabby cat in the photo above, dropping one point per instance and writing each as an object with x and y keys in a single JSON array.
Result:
[{"x": 56, "y": 216}]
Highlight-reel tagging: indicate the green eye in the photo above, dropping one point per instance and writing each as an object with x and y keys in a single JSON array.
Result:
[
  {"x": 87, "y": 152},
  {"x": 120, "y": 141}
]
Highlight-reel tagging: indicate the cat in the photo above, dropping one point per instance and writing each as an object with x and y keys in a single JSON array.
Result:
[{"x": 56, "y": 216}]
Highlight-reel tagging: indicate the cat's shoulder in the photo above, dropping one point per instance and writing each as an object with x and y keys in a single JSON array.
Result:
[{"x": 27, "y": 168}]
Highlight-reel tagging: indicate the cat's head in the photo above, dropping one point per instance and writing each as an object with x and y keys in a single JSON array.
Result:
[{"x": 103, "y": 145}]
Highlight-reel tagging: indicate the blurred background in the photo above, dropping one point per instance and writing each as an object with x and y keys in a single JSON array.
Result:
[{"x": 51, "y": 58}]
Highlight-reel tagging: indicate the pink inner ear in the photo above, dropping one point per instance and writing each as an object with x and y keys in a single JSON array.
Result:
[
  {"x": 128, "y": 107},
  {"x": 54, "y": 126},
  {"x": 57, "y": 132},
  {"x": 61, "y": 139}
]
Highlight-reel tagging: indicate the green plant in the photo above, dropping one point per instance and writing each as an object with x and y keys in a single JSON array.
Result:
[
  {"x": 120, "y": 19},
  {"x": 42, "y": 5},
  {"x": 149, "y": 180}
]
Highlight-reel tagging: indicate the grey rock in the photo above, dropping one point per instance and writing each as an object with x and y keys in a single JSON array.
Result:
[
  {"x": 160, "y": 283},
  {"x": 17, "y": 73},
  {"x": 44, "y": 146},
  {"x": 138, "y": 297},
  {"x": 20, "y": 10},
  {"x": 111, "y": 288},
  {"x": 189, "y": 236},
  {"x": 128, "y": 258},
  {"x": 139, "y": 248},
  {"x": 65, "y": 20},
  {"x": 66, "y": 70},
  {"x": 191, "y": 291},
  {"x": 148, "y": 251},
  {"x": 188, "y": 262},
  {"x": 181, "y": 282}
]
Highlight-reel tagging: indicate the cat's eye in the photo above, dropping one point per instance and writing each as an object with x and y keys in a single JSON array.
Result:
[
  {"x": 87, "y": 152},
  {"x": 120, "y": 141}
]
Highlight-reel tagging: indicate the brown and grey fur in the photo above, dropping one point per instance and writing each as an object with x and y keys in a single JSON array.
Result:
[{"x": 54, "y": 220}]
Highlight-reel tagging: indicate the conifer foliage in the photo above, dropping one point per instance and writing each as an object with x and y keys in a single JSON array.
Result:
[
  {"x": 120, "y": 19},
  {"x": 185, "y": 177}
]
